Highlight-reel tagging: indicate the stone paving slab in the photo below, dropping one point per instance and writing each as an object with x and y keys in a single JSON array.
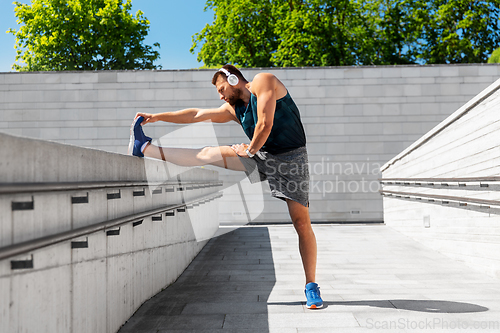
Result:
[{"x": 372, "y": 279}]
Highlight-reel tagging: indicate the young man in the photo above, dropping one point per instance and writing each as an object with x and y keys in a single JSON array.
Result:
[{"x": 277, "y": 149}]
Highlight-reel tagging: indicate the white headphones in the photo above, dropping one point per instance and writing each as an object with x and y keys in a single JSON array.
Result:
[{"x": 231, "y": 78}]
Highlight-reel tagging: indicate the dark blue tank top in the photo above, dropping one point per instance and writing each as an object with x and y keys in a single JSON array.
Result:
[{"x": 287, "y": 132}]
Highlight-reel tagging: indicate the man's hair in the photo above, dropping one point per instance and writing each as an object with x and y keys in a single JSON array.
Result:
[{"x": 231, "y": 69}]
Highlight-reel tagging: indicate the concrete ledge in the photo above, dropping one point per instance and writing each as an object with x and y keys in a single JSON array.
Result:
[
  {"x": 94, "y": 282},
  {"x": 27, "y": 160}
]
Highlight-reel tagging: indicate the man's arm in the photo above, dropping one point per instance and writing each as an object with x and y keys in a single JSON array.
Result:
[
  {"x": 264, "y": 87},
  {"x": 222, "y": 114}
]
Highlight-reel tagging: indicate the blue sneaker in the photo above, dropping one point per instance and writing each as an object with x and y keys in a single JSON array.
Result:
[
  {"x": 313, "y": 296},
  {"x": 137, "y": 138}
]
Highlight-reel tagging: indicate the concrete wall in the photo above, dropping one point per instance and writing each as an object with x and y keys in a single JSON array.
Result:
[
  {"x": 356, "y": 119},
  {"x": 94, "y": 289},
  {"x": 467, "y": 144}
]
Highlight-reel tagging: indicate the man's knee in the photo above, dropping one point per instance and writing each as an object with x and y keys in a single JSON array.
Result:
[
  {"x": 302, "y": 224},
  {"x": 209, "y": 155}
]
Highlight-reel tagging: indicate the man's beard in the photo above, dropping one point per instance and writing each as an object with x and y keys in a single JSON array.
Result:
[{"x": 235, "y": 97}]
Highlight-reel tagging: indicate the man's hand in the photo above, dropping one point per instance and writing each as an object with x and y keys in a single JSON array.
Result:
[
  {"x": 148, "y": 117},
  {"x": 240, "y": 149}
]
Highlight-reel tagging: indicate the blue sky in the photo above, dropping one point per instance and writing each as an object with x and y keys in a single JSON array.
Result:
[{"x": 173, "y": 23}]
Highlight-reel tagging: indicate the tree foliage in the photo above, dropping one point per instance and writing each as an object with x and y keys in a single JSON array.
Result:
[
  {"x": 242, "y": 32},
  {"x": 318, "y": 33},
  {"x": 81, "y": 35},
  {"x": 457, "y": 31},
  {"x": 495, "y": 57},
  {"x": 293, "y": 33}
]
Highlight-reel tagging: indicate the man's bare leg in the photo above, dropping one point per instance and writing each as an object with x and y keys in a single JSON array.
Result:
[
  {"x": 307, "y": 239},
  {"x": 225, "y": 157},
  {"x": 222, "y": 156}
]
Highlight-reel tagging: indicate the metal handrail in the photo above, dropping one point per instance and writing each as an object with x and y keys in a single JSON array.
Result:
[
  {"x": 443, "y": 197},
  {"x": 13, "y": 188},
  {"x": 443, "y": 180},
  {"x": 35, "y": 244}
]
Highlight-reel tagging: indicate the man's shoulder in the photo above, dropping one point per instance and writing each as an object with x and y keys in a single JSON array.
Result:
[
  {"x": 263, "y": 76},
  {"x": 263, "y": 82}
]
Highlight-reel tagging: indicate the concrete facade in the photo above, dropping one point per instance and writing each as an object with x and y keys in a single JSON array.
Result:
[
  {"x": 94, "y": 288},
  {"x": 464, "y": 145},
  {"x": 356, "y": 119}
]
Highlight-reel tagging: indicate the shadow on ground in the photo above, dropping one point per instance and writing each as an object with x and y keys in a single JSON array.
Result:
[
  {"x": 230, "y": 278},
  {"x": 405, "y": 304}
]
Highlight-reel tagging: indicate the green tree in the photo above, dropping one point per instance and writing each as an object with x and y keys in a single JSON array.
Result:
[
  {"x": 242, "y": 33},
  {"x": 495, "y": 57},
  {"x": 318, "y": 33},
  {"x": 304, "y": 33},
  {"x": 62, "y": 35},
  {"x": 456, "y": 31},
  {"x": 392, "y": 32},
  {"x": 348, "y": 32},
  {"x": 345, "y": 32}
]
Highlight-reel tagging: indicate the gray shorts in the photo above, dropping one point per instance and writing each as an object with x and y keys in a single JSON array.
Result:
[{"x": 287, "y": 173}]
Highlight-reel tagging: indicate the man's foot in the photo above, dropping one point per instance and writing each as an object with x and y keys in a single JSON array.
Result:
[
  {"x": 138, "y": 140},
  {"x": 313, "y": 296}
]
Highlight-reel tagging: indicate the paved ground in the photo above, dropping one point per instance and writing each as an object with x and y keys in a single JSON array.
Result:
[{"x": 372, "y": 279}]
